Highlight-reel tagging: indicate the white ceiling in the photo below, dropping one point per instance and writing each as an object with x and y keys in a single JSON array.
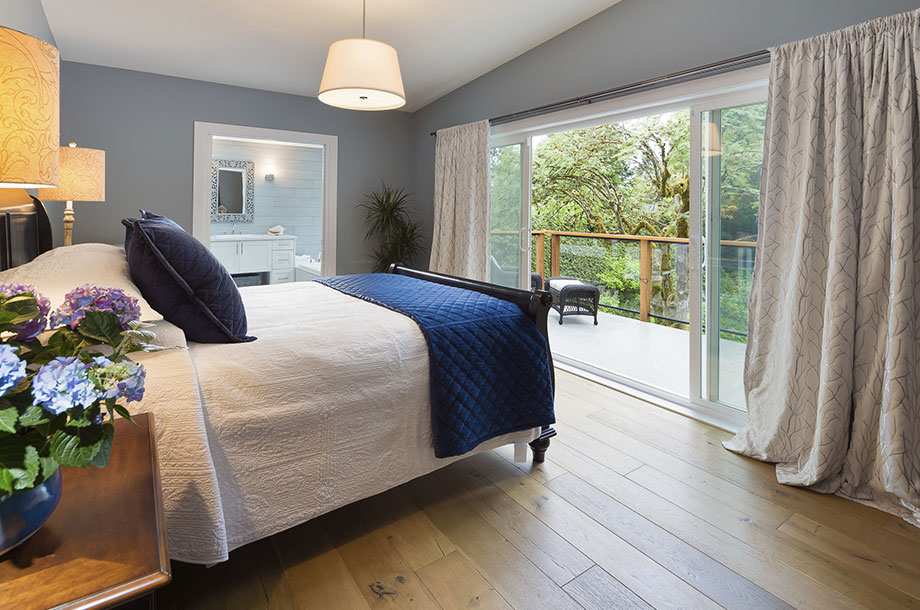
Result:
[{"x": 280, "y": 45}]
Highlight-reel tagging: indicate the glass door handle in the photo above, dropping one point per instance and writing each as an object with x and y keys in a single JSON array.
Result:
[{"x": 522, "y": 239}]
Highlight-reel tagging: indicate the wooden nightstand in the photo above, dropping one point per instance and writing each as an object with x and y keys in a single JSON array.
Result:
[{"x": 106, "y": 542}]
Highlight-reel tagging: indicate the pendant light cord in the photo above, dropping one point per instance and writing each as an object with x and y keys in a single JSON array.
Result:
[{"x": 364, "y": 21}]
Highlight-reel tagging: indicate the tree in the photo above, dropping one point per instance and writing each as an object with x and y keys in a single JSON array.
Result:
[{"x": 633, "y": 178}]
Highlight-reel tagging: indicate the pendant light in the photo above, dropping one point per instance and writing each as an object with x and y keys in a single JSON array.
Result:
[{"x": 362, "y": 74}]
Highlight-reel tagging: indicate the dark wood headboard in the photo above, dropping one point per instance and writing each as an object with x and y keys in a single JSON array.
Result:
[{"x": 25, "y": 230}]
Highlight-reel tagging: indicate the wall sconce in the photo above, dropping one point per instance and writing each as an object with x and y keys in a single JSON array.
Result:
[{"x": 270, "y": 176}]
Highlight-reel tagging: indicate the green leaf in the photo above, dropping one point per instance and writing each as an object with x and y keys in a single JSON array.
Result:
[
  {"x": 6, "y": 481},
  {"x": 8, "y": 419},
  {"x": 102, "y": 326},
  {"x": 76, "y": 447},
  {"x": 150, "y": 348},
  {"x": 101, "y": 460},
  {"x": 124, "y": 413},
  {"x": 33, "y": 416},
  {"x": 82, "y": 421},
  {"x": 25, "y": 476},
  {"x": 63, "y": 342},
  {"x": 19, "y": 461},
  {"x": 18, "y": 309},
  {"x": 48, "y": 465}
]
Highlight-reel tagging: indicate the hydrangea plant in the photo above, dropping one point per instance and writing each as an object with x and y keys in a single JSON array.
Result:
[{"x": 60, "y": 391}]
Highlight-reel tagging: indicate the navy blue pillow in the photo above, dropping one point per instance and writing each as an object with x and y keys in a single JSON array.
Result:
[
  {"x": 129, "y": 224},
  {"x": 182, "y": 280}
]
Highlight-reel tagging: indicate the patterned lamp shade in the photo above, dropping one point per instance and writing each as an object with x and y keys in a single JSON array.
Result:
[
  {"x": 82, "y": 176},
  {"x": 29, "y": 111}
]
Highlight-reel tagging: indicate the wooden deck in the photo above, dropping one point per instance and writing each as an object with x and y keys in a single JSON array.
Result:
[
  {"x": 652, "y": 354},
  {"x": 635, "y": 508}
]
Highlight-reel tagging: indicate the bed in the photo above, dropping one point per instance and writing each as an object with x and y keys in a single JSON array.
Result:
[{"x": 327, "y": 407}]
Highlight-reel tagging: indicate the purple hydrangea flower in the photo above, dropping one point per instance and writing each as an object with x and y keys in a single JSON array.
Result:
[
  {"x": 27, "y": 331},
  {"x": 90, "y": 297},
  {"x": 12, "y": 369},
  {"x": 63, "y": 384},
  {"x": 119, "y": 379}
]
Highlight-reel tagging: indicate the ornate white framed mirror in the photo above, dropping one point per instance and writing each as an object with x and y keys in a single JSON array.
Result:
[{"x": 232, "y": 191}]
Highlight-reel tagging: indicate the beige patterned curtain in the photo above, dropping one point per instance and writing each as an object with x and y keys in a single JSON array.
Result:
[
  {"x": 832, "y": 372},
  {"x": 462, "y": 209}
]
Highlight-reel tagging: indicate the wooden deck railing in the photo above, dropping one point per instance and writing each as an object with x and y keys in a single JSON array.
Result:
[{"x": 645, "y": 256}]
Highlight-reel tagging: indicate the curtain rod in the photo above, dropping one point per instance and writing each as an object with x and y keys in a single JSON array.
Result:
[{"x": 736, "y": 63}]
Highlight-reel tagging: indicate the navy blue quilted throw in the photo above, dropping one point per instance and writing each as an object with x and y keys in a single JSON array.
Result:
[{"x": 487, "y": 361}]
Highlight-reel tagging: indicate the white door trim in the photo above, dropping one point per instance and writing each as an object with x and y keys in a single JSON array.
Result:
[{"x": 201, "y": 172}]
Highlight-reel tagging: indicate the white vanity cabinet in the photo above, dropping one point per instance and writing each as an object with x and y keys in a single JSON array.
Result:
[
  {"x": 228, "y": 253},
  {"x": 272, "y": 255}
]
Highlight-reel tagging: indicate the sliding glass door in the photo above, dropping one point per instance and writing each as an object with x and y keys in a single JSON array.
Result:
[
  {"x": 727, "y": 152},
  {"x": 510, "y": 227}
]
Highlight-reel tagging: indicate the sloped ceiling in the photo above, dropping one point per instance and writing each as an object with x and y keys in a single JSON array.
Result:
[{"x": 280, "y": 45}]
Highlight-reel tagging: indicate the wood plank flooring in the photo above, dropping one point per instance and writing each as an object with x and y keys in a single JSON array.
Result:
[{"x": 635, "y": 508}]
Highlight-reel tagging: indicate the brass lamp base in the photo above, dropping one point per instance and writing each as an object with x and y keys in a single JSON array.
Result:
[{"x": 68, "y": 224}]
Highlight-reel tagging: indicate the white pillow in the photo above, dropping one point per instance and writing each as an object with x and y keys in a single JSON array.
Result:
[{"x": 58, "y": 271}]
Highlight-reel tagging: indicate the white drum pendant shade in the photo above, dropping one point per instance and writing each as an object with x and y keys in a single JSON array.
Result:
[{"x": 362, "y": 74}]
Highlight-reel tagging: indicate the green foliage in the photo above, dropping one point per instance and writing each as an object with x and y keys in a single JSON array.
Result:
[
  {"x": 613, "y": 178},
  {"x": 633, "y": 178},
  {"x": 621, "y": 275},
  {"x": 505, "y": 173},
  {"x": 386, "y": 215}
]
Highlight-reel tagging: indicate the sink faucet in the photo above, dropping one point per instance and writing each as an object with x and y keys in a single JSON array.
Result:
[{"x": 233, "y": 229}]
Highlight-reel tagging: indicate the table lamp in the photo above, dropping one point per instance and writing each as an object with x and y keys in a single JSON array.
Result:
[
  {"x": 29, "y": 111},
  {"x": 82, "y": 179}
]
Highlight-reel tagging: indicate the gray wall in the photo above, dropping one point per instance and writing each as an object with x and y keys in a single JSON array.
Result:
[
  {"x": 631, "y": 41},
  {"x": 26, "y": 16},
  {"x": 144, "y": 122}
]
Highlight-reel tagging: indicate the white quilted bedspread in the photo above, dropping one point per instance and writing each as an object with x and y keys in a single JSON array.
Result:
[{"x": 328, "y": 406}]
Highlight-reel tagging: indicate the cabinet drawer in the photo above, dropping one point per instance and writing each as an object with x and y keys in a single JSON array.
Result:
[
  {"x": 282, "y": 259},
  {"x": 282, "y": 277},
  {"x": 282, "y": 244}
]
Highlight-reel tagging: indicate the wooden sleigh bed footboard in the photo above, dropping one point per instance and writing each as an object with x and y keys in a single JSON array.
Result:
[{"x": 536, "y": 304}]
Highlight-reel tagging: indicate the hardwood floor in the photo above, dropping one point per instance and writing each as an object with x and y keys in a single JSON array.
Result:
[{"x": 635, "y": 508}]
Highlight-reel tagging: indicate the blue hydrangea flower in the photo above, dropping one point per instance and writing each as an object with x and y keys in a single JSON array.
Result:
[
  {"x": 90, "y": 297},
  {"x": 63, "y": 384},
  {"x": 27, "y": 331},
  {"x": 12, "y": 369},
  {"x": 120, "y": 379},
  {"x": 131, "y": 385}
]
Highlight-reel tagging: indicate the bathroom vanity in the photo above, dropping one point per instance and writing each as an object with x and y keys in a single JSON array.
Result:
[{"x": 270, "y": 256}]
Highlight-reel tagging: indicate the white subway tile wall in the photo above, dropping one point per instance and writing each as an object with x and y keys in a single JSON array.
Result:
[{"x": 294, "y": 199}]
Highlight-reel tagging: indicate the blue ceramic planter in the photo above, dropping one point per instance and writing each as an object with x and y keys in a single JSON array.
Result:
[{"x": 23, "y": 513}]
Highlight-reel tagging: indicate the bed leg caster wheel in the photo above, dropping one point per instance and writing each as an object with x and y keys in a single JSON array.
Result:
[{"x": 539, "y": 448}]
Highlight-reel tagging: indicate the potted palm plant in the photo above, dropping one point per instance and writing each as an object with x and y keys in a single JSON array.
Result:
[{"x": 386, "y": 215}]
